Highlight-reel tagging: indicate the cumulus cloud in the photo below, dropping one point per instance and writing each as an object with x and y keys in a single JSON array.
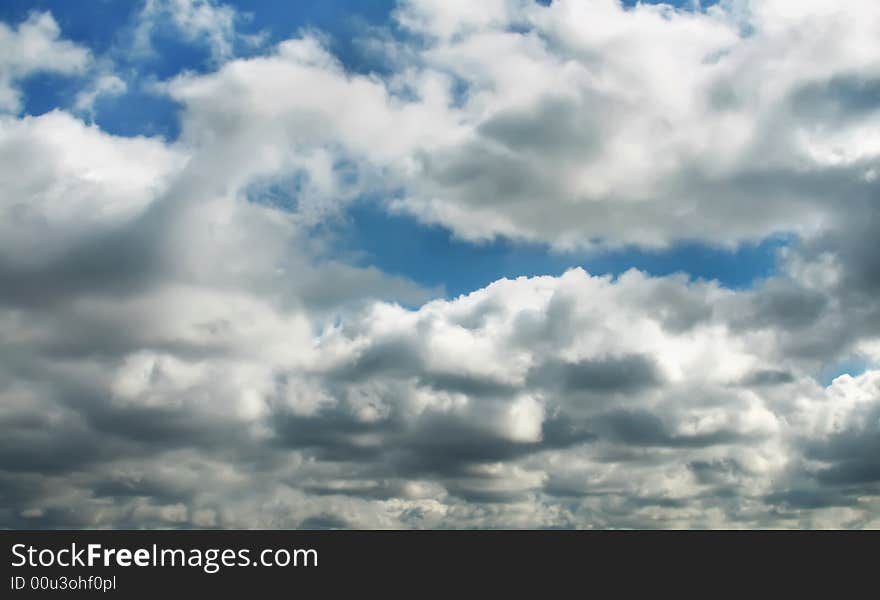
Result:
[
  {"x": 586, "y": 122},
  {"x": 582, "y": 123},
  {"x": 591, "y": 405},
  {"x": 206, "y": 22},
  {"x": 180, "y": 348},
  {"x": 34, "y": 46},
  {"x": 65, "y": 185}
]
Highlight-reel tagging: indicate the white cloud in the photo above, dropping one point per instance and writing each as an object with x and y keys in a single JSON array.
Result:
[
  {"x": 647, "y": 125},
  {"x": 34, "y": 46},
  {"x": 297, "y": 110},
  {"x": 198, "y": 21},
  {"x": 578, "y": 123},
  {"x": 61, "y": 180}
]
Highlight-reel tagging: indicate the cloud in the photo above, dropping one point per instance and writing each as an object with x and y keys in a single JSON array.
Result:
[
  {"x": 385, "y": 418},
  {"x": 105, "y": 85},
  {"x": 577, "y": 124},
  {"x": 590, "y": 122},
  {"x": 181, "y": 347},
  {"x": 206, "y": 22},
  {"x": 67, "y": 189},
  {"x": 34, "y": 46}
]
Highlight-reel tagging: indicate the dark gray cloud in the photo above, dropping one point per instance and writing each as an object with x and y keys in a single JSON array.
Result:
[
  {"x": 556, "y": 127},
  {"x": 768, "y": 377},
  {"x": 842, "y": 97},
  {"x": 118, "y": 262},
  {"x": 606, "y": 375},
  {"x": 850, "y": 457},
  {"x": 324, "y": 521},
  {"x": 646, "y": 429}
]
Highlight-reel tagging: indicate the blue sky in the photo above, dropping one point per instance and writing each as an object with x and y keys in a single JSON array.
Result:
[{"x": 432, "y": 256}]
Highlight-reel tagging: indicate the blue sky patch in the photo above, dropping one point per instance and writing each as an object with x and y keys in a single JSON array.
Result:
[
  {"x": 432, "y": 256},
  {"x": 852, "y": 366}
]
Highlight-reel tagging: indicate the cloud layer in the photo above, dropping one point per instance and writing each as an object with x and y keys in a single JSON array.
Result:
[{"x": 181, "y": 346}]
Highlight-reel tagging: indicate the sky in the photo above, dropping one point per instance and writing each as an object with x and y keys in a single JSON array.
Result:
[{"x": 439, "y": 264}]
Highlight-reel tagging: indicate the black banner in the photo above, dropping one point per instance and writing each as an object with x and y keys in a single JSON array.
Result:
[{"x": 544, "y": 563}]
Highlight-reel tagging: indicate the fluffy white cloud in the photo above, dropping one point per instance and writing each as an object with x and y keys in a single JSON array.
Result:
[
  {"x": 590, "y": 122},
  {"x": 198, "y": 21},
  {"x": 578, "y": 123},
  {"x": 34, "y": 46},
  {"x": 62, "y": 181},
  {"x": 297, "y": 112}
]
